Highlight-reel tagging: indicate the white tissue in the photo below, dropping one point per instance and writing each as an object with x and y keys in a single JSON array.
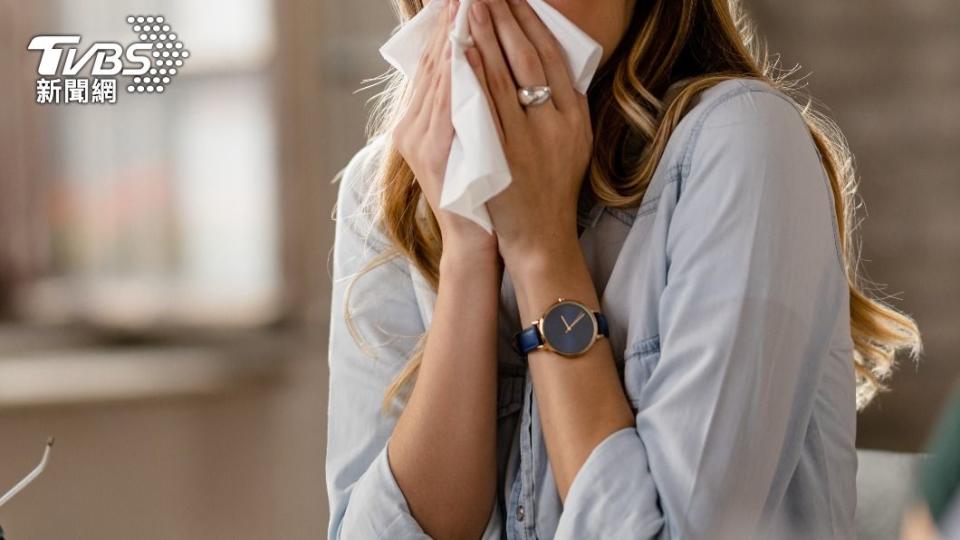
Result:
[{"x": 477, "y": 168}]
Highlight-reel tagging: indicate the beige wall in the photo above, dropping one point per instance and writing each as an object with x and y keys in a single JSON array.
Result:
[
  {"x": 243, "y": 460},
  {"x": 889, "y": 73}
]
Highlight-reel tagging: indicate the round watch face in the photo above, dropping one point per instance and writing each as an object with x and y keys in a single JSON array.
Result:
[{"x": 569, "y": 328}]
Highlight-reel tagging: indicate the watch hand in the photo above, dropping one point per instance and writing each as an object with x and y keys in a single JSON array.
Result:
[
  {"x": 575, "y": 321},
  {"x": 565, "y": 323}
]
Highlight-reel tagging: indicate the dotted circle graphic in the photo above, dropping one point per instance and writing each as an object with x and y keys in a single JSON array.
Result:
[{"x": 165, "y": 49}]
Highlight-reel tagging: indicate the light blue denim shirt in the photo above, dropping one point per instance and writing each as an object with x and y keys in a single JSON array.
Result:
[{"x": 728, "y": 310}]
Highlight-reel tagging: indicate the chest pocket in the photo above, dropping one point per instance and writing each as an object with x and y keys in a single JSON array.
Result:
[{"x": 639, "y": 362}]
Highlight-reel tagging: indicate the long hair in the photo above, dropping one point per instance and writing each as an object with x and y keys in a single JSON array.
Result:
[{"x": 685, "y": 46}]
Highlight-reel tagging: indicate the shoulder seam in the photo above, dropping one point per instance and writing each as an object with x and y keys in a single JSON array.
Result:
[
  {"x": 683, "y": 169},
  {"x": 694, "y": 137}
]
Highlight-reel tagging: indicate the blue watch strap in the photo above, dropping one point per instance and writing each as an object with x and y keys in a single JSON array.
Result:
[
  {"x": 602, "y": 327},
  {"x": 528, "y": 339}
]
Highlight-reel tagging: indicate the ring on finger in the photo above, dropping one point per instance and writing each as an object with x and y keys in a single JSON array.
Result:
[{"x": 531, "y": 96}]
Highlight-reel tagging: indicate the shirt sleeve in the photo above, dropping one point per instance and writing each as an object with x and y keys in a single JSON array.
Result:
[
  {"x": 755, "y": 290},
  {"x": 365, "y": 500}
]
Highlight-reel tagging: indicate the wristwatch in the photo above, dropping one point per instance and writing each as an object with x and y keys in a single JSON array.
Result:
[{"x": 568, "y": 328}]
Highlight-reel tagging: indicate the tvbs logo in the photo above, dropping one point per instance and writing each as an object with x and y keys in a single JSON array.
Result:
[
  {"x": 107, "y": 57},
  {"x": 151, "y": 63}
]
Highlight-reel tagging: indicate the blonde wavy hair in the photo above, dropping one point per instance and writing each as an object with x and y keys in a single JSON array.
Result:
[{"x": 686, "y": 46}]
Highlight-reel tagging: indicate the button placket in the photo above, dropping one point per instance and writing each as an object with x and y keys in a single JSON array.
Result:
[{"x": 524, "y": 502}]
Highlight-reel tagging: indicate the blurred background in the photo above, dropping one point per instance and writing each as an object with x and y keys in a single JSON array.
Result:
[{"x": 164, "y": 286}]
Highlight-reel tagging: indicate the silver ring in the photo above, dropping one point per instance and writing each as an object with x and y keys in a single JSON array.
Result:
[{"x": 531, "y": 96}]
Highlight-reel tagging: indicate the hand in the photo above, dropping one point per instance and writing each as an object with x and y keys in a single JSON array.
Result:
[
  {"x": 548, "y": 146},
  {"x": 571, "y": 325},
  {"x": 425, "y": 132}
]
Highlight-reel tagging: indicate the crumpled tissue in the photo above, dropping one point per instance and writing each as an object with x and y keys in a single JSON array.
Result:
[{"x": 477, "y": 168}]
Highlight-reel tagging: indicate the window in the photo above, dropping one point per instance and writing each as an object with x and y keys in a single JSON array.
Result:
[{"x": 163, "y": 209}]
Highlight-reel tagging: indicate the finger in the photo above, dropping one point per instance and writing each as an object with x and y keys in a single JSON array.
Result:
[
  {"x": 522, "y": 56},
  {"x": 582, "y": 111},
  {"x": 499, "y": 79},
  {"x": 552, "y": 57},
  {"x": 439, "y": 97},
  {"x": 473, "y": 57},
  {"x": 441, "y": 45},
  {"x": 440, "y": 76},
  {"x": 429, "y": 97},
  {"x": 442, "y": 25},
  {"x": 428, "y": 59}
]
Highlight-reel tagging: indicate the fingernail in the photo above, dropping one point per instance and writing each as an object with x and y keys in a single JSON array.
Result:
[{"x": 479, "y": 12}]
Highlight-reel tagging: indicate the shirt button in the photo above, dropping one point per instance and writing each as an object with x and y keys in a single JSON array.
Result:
[{"x": 520, "y": 513}]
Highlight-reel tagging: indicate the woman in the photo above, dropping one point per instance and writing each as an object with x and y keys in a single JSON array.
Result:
[{"x": 702, "y": 379}]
